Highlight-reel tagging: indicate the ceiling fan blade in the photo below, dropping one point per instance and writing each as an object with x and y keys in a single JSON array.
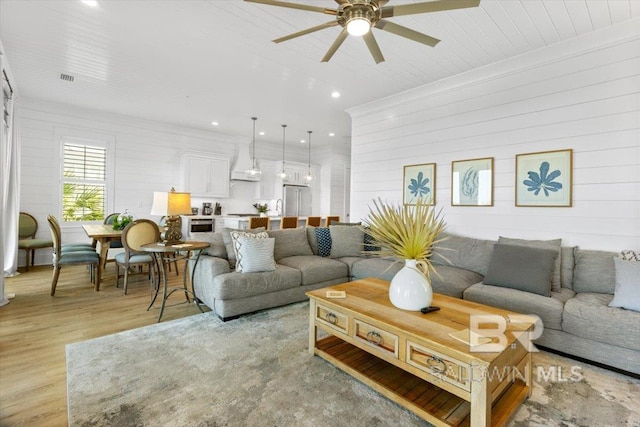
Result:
[
  {"x": 307, "y": 31},
  {"x": 341, "y": 2},
  {"x": 295, "y": 6},
  {"x": 373, "y": 47},
  {"x": 408, "y": 33},
  {"x": 336, "y": 44},
  {"x": 432, "y": 6}
]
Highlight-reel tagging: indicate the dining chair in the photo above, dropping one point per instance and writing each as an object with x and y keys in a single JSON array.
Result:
[
  {"x": 135, "y": 234},
  {"x": 87, "y": 256},
  {"x": 289, "y": 222},
  {"x": 259, "y": 221},
  {"x": 27, "y": 229},
  {"x": 330, "y": 219},
  {"x": 114, "y": 244},
  {"x": 313, "y": 221},
  {"x": 69, "y": 247}
]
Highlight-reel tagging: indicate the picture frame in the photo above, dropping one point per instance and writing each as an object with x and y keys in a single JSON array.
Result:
[
  {"x": 472, "y": 182},
  {"x": 544, "y": 179},
  {"x": 419, "y": 181}
]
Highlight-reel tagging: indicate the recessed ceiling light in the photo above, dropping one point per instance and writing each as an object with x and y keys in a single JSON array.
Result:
[
  {"x": 262, "y": 133},
  {"x": 332, "y": 134},
  {"x": 90, "y": 3},
  {"x": 302, "y": 141},
  {"x": 335, "y": 94},
  {"x": 215, "y": 123}
]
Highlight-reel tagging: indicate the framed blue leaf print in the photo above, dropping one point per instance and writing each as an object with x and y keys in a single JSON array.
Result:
[
  {"x": 544, "y": 179},
  {"x": 419, "y": 182}
]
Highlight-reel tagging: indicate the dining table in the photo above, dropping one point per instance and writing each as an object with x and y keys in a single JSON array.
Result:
[{"x": 103, "y": 234}]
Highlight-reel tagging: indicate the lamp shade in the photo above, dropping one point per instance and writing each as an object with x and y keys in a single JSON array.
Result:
[{"x": 171, "y": 203}]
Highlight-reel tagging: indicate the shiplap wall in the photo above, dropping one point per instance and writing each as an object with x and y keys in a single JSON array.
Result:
[
  {"x": 582, "y": 94},
  {"x": 147, "y": 159}
]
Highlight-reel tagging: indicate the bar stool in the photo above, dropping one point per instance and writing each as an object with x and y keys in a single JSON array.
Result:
[
  {"x": 289, "y": 222},
  {"x": 330, "y": 219},
  {"x": 259, "y": 221}
]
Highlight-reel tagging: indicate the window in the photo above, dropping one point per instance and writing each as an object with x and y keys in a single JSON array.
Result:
[{"x": 84, "y": 181}]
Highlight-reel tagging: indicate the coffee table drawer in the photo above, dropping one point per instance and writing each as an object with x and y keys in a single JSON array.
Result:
[
  {"x": 333, "y": 318},
  {"x": 377, "y": 338},
  {"x": 443, "y": 367}
]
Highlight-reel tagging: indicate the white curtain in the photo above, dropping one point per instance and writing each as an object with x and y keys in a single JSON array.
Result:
[{"x": 10, "y": 196}]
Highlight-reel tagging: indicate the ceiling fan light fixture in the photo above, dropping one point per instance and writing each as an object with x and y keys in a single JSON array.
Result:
[{"x": 358, "y": 26}]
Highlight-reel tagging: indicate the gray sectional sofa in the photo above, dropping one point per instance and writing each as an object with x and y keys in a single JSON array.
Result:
[{"x": 575, "y": 312}]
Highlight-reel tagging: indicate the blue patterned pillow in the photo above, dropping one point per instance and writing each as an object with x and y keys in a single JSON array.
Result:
[
  {"x": 324, "y": 241},
  {"x": 368, "y": 242}
]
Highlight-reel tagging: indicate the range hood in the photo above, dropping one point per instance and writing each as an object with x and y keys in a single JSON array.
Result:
[{"x": 242, "y": 164}]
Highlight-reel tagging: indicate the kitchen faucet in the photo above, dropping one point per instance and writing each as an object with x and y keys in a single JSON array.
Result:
[{"x": 279, "y": 209}]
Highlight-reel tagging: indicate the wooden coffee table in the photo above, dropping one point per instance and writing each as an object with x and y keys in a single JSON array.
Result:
[{"x": 410, "y": 358}]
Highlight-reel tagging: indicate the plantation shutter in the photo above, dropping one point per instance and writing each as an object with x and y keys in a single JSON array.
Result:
[{"x": 84, "y": 182}]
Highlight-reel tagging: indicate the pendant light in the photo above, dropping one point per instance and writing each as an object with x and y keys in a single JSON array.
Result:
[
  {"x": 282, "y": 173},
  {"x": 254, "y": 171},
  {"x": 309, "y": 177}
]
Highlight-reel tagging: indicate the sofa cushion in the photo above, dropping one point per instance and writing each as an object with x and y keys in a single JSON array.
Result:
[
  {"x": 290, "y": 242},
  {"x": 346, "y": 240},
  {"x": 312, "y": 238},
  {"x": 588, "y": 315},
  {"x": 216, "y": 244},
  {"x": 240, "y": 285},
  {"x": 627, "y": 293},
  {"x": 567, "y": 264},
  {"x": 524, "y": 268},
  {"x": 452, "y": 281},
  {"x": 255, "y": 255},
  {"x": 380, "y": 268},
  {"x": 544, "y": 244},
  {"x": 323, "y": 236},
  {"x": 464, "y": 252},
  {"x": 316, "y": 269},
  {"x": 594, "y": 272},
  {"x": 350, "y": 261},
  {"x": 549, "y": 309}
]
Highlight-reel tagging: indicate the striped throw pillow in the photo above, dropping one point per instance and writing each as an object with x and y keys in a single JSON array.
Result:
[
  {"x": 235, "y": 239},
  {"x": 256, "y": 255}
]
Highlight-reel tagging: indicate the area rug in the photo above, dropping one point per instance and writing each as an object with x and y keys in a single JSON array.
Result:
[{"x": 256, "y": 371}]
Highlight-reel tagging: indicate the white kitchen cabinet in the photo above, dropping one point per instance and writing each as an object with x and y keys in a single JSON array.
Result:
[
  {"x": 206, "y": 176},
  {"x": 295, "y": 173},
  {"x": 268, "y": 181}
]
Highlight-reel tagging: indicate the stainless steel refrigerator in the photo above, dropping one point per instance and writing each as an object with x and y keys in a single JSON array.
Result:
[{"x": 297, "y": 200}]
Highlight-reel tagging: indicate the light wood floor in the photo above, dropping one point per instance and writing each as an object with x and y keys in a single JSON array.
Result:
[{"x": 35, "y": 327}]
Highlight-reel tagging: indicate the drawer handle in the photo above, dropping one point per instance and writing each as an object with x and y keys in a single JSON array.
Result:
[
  {"x": 331, "y": 318},
  {"x": 436, "y": 364},
  {"x": 375, "y": 338}
]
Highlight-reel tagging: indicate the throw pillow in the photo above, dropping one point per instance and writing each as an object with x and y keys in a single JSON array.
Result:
[
  {"x": 290, "y": 242},
  {"x": 228, "y": 242},
  {"x": 237, "y": 244},
  {"x": 217, "y": 247},
  {"x": 323, "y": 236},
  {"x": 346, "y": 240},
  {"x": 594, "y": 271},
  {"x": 255, "y": 254},
  {"x": 630, "y": 255},
  {"x": 345, "y": 223},
  {"x": 521, "y": 267},
  {"x": 545, "y": 244},
  {"x": 627, "y": 293}
]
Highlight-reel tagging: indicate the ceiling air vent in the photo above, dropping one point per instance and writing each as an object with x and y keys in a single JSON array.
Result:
[{"x": 66, "y": 77}]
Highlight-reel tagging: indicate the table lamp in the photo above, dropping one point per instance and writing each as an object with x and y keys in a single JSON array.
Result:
[{"x": 171, "y": 205}]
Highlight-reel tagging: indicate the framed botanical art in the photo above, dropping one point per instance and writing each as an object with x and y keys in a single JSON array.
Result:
[
  {"x": 544, "y": 179},
  {"x": 419, "y": 182},
  {"x": 472, "y": 182}
]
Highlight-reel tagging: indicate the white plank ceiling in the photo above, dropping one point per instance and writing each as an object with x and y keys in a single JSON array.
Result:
[{"x": 193, "y": 62}]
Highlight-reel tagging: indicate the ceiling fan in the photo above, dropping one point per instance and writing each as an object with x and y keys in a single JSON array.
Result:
[{"x": 358, "y": 17}]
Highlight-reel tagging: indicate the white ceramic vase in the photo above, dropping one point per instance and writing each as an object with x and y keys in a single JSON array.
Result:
[
  {"x": 263, "y": 214},
  {"x": 410, "y": 289}
]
